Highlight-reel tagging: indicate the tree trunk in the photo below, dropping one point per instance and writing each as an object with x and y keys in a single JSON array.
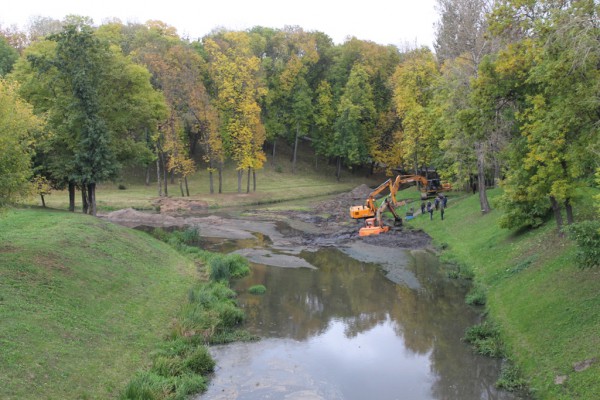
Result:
[
  {"x": 248, "y": 184},
  {"x": 158, "y": 177},
  {"x": 71, "y": 196},
  {"x": 295, "y": 150},
  {"x": 92, "y": 198},
  {"x": 165, "y": 174},
  {"x": 43, "y": 201},
  {"x": 148, "y": 175},
  {"x": 338, "y": 170},
  {"x": 210, "y": 181},
  {"x": 569, "y": 209},
  {"x": 187, "y": 188},
  {"x": 483, "y": 200},
  {"x": 239, "y": 180},
  {"x": 220, "y": 178},
  {"x": 557, "y": 215},
  {"x": 181, "y": 187},
  {"x": 254, "y": 180},
  {"x": 84, "y": 199},
  {"x": 273, "y": 153}
]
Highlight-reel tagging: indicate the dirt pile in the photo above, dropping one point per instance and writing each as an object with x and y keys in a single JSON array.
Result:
[
  {"x": 168, "y": 205},
  {"x": 337, "y": 209}
]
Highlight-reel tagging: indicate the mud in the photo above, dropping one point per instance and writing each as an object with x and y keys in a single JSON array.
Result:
[{"x": 327, "y": 224}]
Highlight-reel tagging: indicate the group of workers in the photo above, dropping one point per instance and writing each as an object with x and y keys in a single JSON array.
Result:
[{"x": 439, "y": 203}]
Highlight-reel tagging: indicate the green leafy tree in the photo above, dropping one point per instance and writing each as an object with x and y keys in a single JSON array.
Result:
[
  {"x": 8, "y": 56},
  {"x": 558, "y": 121},
  {"x": 413, "y": 90},
  {"x": 79, "y": 56},
  {"x": 126, "y": 108},
  {"x": 355, "y": 121},
  {"x": 18, "y": 128}
]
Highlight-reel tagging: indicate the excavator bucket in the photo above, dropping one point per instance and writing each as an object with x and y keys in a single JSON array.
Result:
[{"x": 374, "y": 230}]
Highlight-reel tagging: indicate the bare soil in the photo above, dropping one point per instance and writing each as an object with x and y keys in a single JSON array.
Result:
[{"x": 328, "y": 223}]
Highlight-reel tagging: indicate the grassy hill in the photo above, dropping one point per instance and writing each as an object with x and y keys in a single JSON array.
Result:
[
  {"x": 82, "y": 302},
  {"x": 547, "y": 309}
]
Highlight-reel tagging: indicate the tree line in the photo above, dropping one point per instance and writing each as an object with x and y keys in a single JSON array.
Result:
[{"x": 510, "y": 95}]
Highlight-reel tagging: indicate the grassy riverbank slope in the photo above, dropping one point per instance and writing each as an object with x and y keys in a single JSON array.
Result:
[
  {"x": 82, "y": 303},
  {"x": 547, "y": 308}
]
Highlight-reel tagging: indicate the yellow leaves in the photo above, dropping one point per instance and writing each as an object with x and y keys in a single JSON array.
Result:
[{"x": 236, "y": 73}]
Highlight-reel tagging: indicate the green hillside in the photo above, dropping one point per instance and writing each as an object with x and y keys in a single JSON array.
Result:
[
  {"x": 547, "y": 308},
  {"x": 82, "y": 303}
]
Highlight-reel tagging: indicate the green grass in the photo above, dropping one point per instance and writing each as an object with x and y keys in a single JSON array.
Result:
[
  {"x": 82, "y": 303},
  {"x": 546, "y": 308},
  {"x": 275, "y": 183}
]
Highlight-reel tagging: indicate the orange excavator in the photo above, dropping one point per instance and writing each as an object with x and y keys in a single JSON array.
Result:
[
  {"x": 370, "y": 208},
  {"x": 373, "y": 215},
  {"x": 375, "y": 225}
]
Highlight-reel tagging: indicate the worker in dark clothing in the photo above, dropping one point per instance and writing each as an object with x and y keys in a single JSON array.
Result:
[
  {"x": 422, "y": 207},
  {"x": 445, "y": 201},
  {"x": 430, "y": 210},
  {"x": 442, "y": 210},
  {"x": 437, "y": 202}
]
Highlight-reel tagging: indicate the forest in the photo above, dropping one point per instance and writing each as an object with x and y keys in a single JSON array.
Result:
[{"x": 509, "y": 96}]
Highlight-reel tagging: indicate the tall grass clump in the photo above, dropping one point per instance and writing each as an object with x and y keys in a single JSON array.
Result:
[
  {"x": 225, "y": 267},
  {"x": 150, "y": 385},
  {"x": 485, "y": 338},
  {"x": 257, "y": 289}
]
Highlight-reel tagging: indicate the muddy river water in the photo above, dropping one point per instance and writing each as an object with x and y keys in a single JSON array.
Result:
[{"x": 354, "y": 321}]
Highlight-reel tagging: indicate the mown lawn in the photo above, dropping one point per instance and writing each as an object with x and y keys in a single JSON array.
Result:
[
  {"x": 548, "y": 309},
  {"x": 82, "y": 302}
]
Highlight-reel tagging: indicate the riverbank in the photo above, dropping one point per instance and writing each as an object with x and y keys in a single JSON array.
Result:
[
  {"x": 83, "y": 302},
  {"x": 547, "y": 309}
]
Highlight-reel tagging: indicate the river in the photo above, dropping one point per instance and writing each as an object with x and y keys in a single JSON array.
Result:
[{"x": 356, "y": 322}]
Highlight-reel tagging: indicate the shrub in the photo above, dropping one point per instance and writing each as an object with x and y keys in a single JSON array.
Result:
[
  {"x": 257, "y": 289},
  {"x": 122, "y": 186},
  {"x": 586, "y": 235}
]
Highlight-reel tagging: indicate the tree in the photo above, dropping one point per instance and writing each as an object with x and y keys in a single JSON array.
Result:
[
  {"x": 235, "y": 72},
  {"x": 558, "y": 122},
  {"x": 413, "y": 91},
  {"x": 461, "y": 31},
  {"x": 354, "y": 122},
  {"x": 18, "y": 127},
  {"x": 79, "y": 56},
  {"x": 8, "y": 56},
  {"x": 120, "y": 96}
]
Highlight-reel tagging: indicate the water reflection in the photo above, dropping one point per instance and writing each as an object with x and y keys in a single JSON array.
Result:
[{"x": 345, "y": 331}]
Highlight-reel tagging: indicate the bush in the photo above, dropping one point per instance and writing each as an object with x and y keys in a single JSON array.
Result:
[
  {"x": 257, "y": 289},
  {"x": 586, "y": 235}
]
